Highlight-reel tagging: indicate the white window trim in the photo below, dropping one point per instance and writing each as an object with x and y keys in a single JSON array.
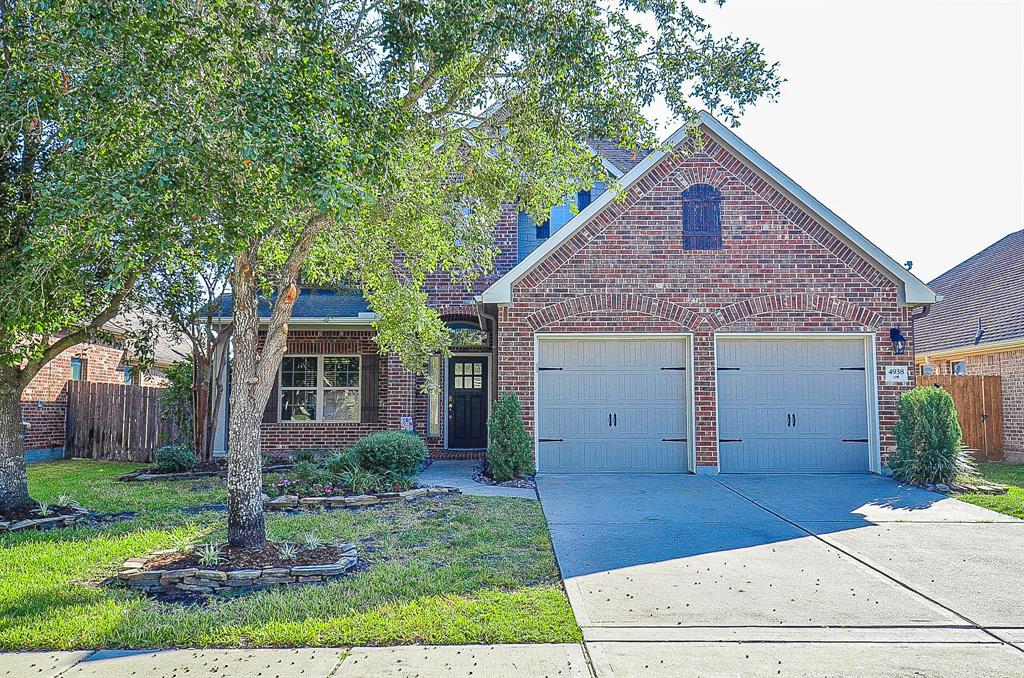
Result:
[{"x": 320, "y": 389}]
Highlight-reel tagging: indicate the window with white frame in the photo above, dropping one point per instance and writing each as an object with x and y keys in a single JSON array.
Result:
[{"x": 320, "y": 388}]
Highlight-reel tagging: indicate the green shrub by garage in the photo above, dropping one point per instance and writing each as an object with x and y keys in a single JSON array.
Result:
[
  {"x": 510, "y": 449},
  {"x": 929, "y": 442}
]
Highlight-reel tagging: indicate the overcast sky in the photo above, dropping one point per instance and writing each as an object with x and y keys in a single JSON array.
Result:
[{"x": 903, "y": 117}]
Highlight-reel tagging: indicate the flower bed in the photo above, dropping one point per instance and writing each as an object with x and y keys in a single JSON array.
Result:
[
  {"x": 294, "y": 501},
  {"x": 210, "y": 469},
  {"x": 56, "y": 516},
  {"x": 173, "y": 570},
  {"x": 526, "y": 482}
]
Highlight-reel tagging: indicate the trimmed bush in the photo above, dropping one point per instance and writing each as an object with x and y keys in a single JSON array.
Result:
[
  {"x": 175, "y": 459},
  {"x": 510, "y": 451},
  {"x": 394, "y": 453},
  {"x": 928, "y": 439}
]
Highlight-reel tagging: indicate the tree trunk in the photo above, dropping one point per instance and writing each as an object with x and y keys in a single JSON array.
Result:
[
  {"x": 200, "y": 405},
  {"x": 246, "y": 526},
  {"x": 13, "y": 482}
]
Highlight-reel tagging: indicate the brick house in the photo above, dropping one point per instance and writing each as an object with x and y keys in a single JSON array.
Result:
[
  {"x": 978, "y": 329},
  {"x": 44, "y": 400},
  {"x": 716, "y": 318}
]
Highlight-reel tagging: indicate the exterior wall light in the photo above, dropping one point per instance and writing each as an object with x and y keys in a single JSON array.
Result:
[{"x": 899, "y": 342}]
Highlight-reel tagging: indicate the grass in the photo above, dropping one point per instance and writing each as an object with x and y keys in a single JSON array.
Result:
[
  {"x": 444, "y": 571},
  {"x": 1012, "y": 475}
]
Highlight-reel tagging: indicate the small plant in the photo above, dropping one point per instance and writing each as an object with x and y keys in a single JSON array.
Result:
[
  {"x": 312, "y": 541},
  {"x": 209, "y": 554},
  {"x": 175, "y": 459},
  {"x": 396, "y": 452},
  {"x": 183, "y": 543},
  {"x": 928, "y": 439},
  {"x": 510, "y": 451},
  {"x": 288, "y": 551},
  {"x": 44, "y": 510},
  {"x": 65, "y": 500}
]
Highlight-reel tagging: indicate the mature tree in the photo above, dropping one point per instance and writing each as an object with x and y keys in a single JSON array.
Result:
[
  {"x": 96, "y": 180},
  {"x": 358, "y": 141}
]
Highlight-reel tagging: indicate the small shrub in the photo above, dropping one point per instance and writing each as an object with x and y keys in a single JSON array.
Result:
[
  {"x": 44, "y": 510},
  {"x": 175, "y": 459},
  {"x": 510, "y": 451},
  {"x": 288, "y": 551},
  {"x": 308, "y": 455},
  {"x": 312, "y": 541},
  {"x": 390, "y": 452},
  {"x": 65, "y": 500},
  {"x": 928, "y": 439},
  {"x": 209, "y": 555}
]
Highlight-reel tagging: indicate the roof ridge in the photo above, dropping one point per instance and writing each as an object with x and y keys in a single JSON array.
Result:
[{"x": 974, "y": 256}]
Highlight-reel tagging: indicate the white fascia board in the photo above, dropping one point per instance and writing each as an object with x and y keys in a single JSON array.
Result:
[
  {"x": 915, "y": 292},
  {"x": 311, "y": 321}
]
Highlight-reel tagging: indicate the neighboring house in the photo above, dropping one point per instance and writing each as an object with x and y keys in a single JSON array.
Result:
[
  {"x": 978, "y": 328},
  {"x": 44, "y": 401},
  {"x": 718, "y": 318}
]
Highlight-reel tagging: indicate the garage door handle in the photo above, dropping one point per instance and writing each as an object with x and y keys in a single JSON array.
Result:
[
  {"x": 794, "y": 420},
  {"x": 615, "y": 420},
  {"x": 609, "y": 419},
  {"x": 855, "y": 440},
  {"x": 789, "y": 420},
  {"x": 551, "y": 440}
]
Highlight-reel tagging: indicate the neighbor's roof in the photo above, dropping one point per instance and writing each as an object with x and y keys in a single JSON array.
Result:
[
  {"x": 989, "y": 286},
  {"x": 914, "y": 291},
  {"x": 319, "y": 304},
  {"x": 167, "y": 348},
  {"x": 622, "y": 159}
]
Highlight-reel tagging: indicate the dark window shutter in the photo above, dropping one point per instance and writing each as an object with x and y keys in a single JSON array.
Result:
[
  {"x": 273, "y": 402},
  {"x": 583, "y": 200},
  {"x": 702, "y": 218},
  {"x": 370, "y": 388}
]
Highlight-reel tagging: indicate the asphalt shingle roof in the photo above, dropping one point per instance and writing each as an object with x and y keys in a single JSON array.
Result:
[
  {"x": 314, "y": 303},
  {"x": 989, "y": 286},
  {"x": 624, "y": 159}
]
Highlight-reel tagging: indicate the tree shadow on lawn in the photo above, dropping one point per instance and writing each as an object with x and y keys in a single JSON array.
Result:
[{"x": 443, "y": 571}]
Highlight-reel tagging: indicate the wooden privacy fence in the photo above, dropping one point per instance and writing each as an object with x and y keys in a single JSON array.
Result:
[
  {"x": 114, "y": 421},
  {"x": 979, "y": 408}
]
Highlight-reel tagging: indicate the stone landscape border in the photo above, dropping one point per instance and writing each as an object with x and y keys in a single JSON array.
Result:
[
  {"x": 144, "y": 475},
  {"x": 208, "y": 581},
  {"x": 79, "y": 516},
  {"x": 290, "y": 501}
]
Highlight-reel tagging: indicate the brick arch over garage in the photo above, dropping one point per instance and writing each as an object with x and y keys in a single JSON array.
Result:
[
  {"x": 795, "y": 302},
  {"x": 635, "y": 303}
]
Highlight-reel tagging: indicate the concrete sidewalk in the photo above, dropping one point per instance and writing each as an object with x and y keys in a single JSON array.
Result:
[{"x": 459, "y": 473}]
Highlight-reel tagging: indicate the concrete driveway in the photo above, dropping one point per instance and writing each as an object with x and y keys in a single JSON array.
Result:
[{"x": 815, "y": 575}]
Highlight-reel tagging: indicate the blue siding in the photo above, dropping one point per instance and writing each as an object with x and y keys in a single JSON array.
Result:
[{"x": 530, "y": 236}]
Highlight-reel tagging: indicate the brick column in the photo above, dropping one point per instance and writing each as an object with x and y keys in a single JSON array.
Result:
[
  {"x": 399, "y": 399},
  {"x": 704, "y": 400}
]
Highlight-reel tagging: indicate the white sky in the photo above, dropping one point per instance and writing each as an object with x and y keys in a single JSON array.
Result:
[{"x": 906, "y": 118}]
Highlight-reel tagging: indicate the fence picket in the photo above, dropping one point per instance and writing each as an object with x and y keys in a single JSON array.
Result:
[{"x": 114, "y": 421}]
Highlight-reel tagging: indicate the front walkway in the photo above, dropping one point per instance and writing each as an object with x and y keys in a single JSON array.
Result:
[
  {"x": 451, "y": 473},
  {"x": 856, "y": 571}
]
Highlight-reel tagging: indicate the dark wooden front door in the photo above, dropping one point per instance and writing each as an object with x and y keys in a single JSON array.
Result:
[{"x": 467, "y": 402}]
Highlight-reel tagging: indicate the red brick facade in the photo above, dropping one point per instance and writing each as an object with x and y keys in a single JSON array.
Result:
[
  {"x": 627, "y": 271},
  {"x": 44, "y": 400}
]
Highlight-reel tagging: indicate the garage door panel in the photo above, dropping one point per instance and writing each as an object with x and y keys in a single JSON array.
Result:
[
  {"x": 593, "y": 455},
  {"x": 796, "y": 405},
  {"x": 612, "y": 404}
]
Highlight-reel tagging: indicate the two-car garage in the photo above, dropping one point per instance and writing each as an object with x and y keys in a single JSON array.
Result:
[{"x": 623, "y": 403}]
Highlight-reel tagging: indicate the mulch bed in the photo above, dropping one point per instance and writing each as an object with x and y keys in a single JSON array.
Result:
[
  {"x": 216, "y": 467},
  {"x": 29, "y": 512},
  {"x": 526, "y": 483},
  {"x": 232, "y": 558}
]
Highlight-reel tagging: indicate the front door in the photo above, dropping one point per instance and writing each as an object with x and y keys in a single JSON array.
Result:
[{"x": 467, "y": 402}]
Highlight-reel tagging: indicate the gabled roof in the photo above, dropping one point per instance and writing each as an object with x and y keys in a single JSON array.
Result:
[
  {"x": 989, "y": 287},
  {"x": 621, "y": 159},
  {"x": 915, "y": 292},
  {"x": 321, "y": 305}
]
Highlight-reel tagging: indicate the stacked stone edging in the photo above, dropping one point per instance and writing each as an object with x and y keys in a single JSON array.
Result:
[
  {"x": 199, "y": 580},
  {"x": 143, "y": 475},
  {"x": 79, "y": 516},
  {"x": 291, "y": 501}
]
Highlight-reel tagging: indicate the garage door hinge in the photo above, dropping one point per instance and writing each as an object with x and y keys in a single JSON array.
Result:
[
  {"x": 673, "y": 440},
  {"x": 673, "y": 368},
  {"x": 852, "y": 369},
  {"x": 728, "y": 369},
  {"x": 855, "y": 440},
  {"x": 551, "y": 440},
  {"x": 548, "y": 369},
  {"x": 730, "y": 440}
]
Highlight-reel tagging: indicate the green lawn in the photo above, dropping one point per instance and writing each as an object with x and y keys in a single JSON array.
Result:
[
  {"x": 444, "y": 571},
  {"x": 1011, "y": 503}
]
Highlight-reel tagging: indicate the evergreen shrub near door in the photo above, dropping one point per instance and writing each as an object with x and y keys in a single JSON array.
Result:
[
  {"x": 390, "y": 452},
  {"x": 510, "y": 450},
  {"x": 928, "y": 439}
]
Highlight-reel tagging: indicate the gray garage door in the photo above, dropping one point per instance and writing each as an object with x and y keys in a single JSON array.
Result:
[
  {"x": 612, "y": 405},
  {"x": 792, "y": 405}
]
